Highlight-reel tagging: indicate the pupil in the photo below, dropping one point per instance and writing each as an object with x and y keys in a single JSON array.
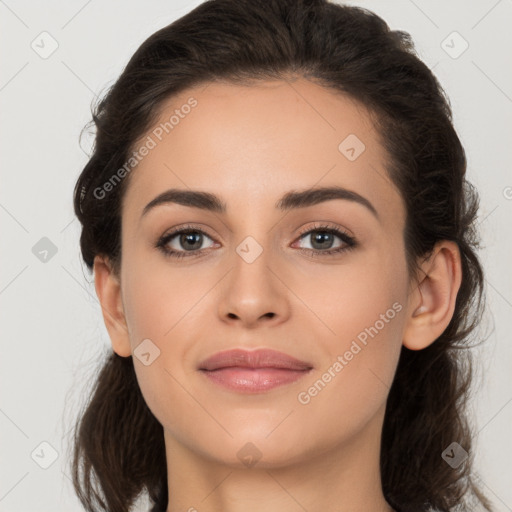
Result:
[
  {"x": 321, "y": 238},
  {"x": 186, "y": 238}
]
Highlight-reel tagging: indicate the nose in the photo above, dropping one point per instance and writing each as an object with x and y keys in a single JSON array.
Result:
[{"x": 254, "y": 294}]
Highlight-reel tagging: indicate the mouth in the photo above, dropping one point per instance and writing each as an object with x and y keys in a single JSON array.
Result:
[
  {"x": 253, "y": 371},
  {"x": 255, "y": 359}
]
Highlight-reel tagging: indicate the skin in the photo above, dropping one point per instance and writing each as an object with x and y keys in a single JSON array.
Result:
[{"x": 250, "y": 145}]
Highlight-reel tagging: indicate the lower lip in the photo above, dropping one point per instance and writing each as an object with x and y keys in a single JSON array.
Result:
[{"x": 253, "y": 380}]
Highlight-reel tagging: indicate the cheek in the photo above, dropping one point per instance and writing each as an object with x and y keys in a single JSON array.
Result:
[
  {"x": 353, "y": 384},
  {"x": 344, "y": 300},
  {"x": 362, "y": 311},
  {"x": 161, "y": 309},
  {"x": 156, "y": 299}
]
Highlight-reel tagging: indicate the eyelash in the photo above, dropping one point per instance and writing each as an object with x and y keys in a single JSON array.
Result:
[{"x": 349, "y": 240}]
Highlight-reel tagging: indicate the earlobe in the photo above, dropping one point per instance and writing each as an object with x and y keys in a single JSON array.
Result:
[
  {"x": 108, "y": 290},
  {"x": 432, "y": 303}
]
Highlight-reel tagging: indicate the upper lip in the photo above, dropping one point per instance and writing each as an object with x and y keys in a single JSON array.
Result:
[{"x": 261, "y": 358}]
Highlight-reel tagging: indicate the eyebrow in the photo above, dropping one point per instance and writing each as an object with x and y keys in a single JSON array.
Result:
[{"x": 291, "y": 200}]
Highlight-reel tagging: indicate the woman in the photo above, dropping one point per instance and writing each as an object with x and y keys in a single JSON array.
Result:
[{"x": 251, "y": 367}]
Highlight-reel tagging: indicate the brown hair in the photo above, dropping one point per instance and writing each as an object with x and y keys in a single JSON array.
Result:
[{"x": 118, "y": 444}]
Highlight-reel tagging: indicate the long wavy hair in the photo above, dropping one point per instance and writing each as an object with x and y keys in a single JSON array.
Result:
[{"x": 118, "y": 452}]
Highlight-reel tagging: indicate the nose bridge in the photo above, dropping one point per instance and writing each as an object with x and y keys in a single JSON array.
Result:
[
  {"x": 252, "y": 261},
  {"x": 253, "y": 235}
]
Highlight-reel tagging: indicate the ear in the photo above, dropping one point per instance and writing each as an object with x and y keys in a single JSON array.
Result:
[
  {"x": 432, "y": 302},
  {"x": 108, "y": 290}
]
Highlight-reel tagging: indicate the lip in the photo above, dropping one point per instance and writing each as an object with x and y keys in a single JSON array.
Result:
[
  {"x": 261, "y": 358},
  {"x": 253, "y": 371}
]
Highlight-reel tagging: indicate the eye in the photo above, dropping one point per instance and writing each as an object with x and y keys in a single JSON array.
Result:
[
  {"x": 189, "y": 241},
  {"x": 188, "y": 237},
  {"x": 323, "y": 239}
]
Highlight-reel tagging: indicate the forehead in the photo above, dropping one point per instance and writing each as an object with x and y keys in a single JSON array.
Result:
[{"x": 257, "y": 142}]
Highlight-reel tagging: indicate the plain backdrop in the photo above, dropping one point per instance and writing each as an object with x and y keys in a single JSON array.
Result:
[{"x": 53, "y": 331}]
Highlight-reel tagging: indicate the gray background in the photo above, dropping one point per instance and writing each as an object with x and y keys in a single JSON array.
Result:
[{"x": 53, "y": 331}]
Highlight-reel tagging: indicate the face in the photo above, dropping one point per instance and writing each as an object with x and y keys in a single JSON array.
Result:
[{"x": 323, "y": 280}]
